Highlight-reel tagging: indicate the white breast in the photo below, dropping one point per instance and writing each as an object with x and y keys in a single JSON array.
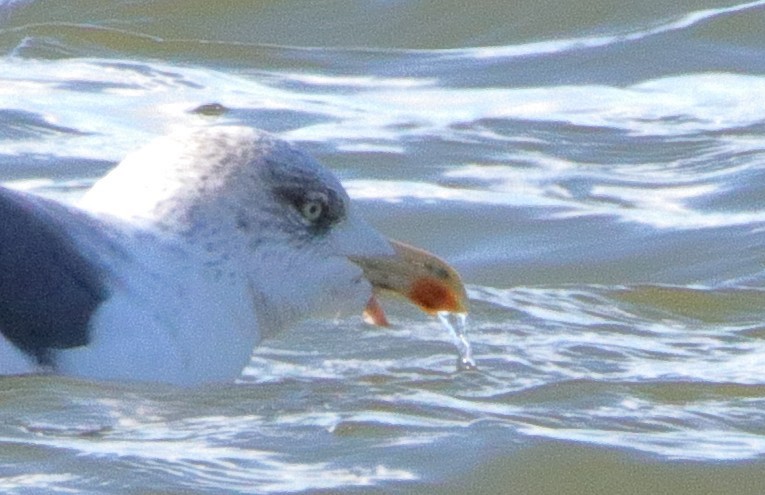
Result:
[{"x": 171, "y": 318}]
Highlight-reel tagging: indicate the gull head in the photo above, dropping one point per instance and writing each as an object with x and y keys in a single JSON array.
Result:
[{"x": 255, "y": 207}]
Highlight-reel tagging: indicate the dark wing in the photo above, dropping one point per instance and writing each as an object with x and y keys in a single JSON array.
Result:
[{"x": 48, "y": 289}]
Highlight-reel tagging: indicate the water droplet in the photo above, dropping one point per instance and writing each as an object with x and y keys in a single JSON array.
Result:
[{"x": 456, "y": 323}]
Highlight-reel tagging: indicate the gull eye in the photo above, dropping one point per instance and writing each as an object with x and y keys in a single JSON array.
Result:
[
  {"x": 312, "y": 210},
  {"x": 317, "y": 210}
]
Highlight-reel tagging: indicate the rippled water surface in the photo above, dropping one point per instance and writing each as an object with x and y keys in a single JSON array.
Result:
[{"x": 594, "y": 169}]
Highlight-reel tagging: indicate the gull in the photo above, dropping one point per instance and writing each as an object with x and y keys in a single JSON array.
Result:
[{"x": 182, "y": 258}]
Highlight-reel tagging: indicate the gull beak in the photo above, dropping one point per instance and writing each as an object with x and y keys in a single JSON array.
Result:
[{"x": 421, "y": 277}]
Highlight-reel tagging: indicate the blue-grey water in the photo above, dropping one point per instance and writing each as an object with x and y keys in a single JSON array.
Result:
[{"x": 595, "y": 170}]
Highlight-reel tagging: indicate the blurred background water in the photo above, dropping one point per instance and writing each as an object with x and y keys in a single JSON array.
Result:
[{"x": 594, "y": 169}]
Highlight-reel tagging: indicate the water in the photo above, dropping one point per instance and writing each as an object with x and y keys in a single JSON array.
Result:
[
  {"x": 456, "y": 324},
  {"x": 594, "y": 170}
]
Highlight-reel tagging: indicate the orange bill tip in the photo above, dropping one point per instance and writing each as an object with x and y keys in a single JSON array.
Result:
[
  {"x": 432, "y": 296},
  {"x": 424, "y": 279}
]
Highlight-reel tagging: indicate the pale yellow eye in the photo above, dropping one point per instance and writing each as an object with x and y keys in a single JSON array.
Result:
[{"x": 312, "y": 210}]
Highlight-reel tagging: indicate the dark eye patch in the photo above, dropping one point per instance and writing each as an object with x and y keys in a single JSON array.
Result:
[{"x": 328, "y": 201}]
